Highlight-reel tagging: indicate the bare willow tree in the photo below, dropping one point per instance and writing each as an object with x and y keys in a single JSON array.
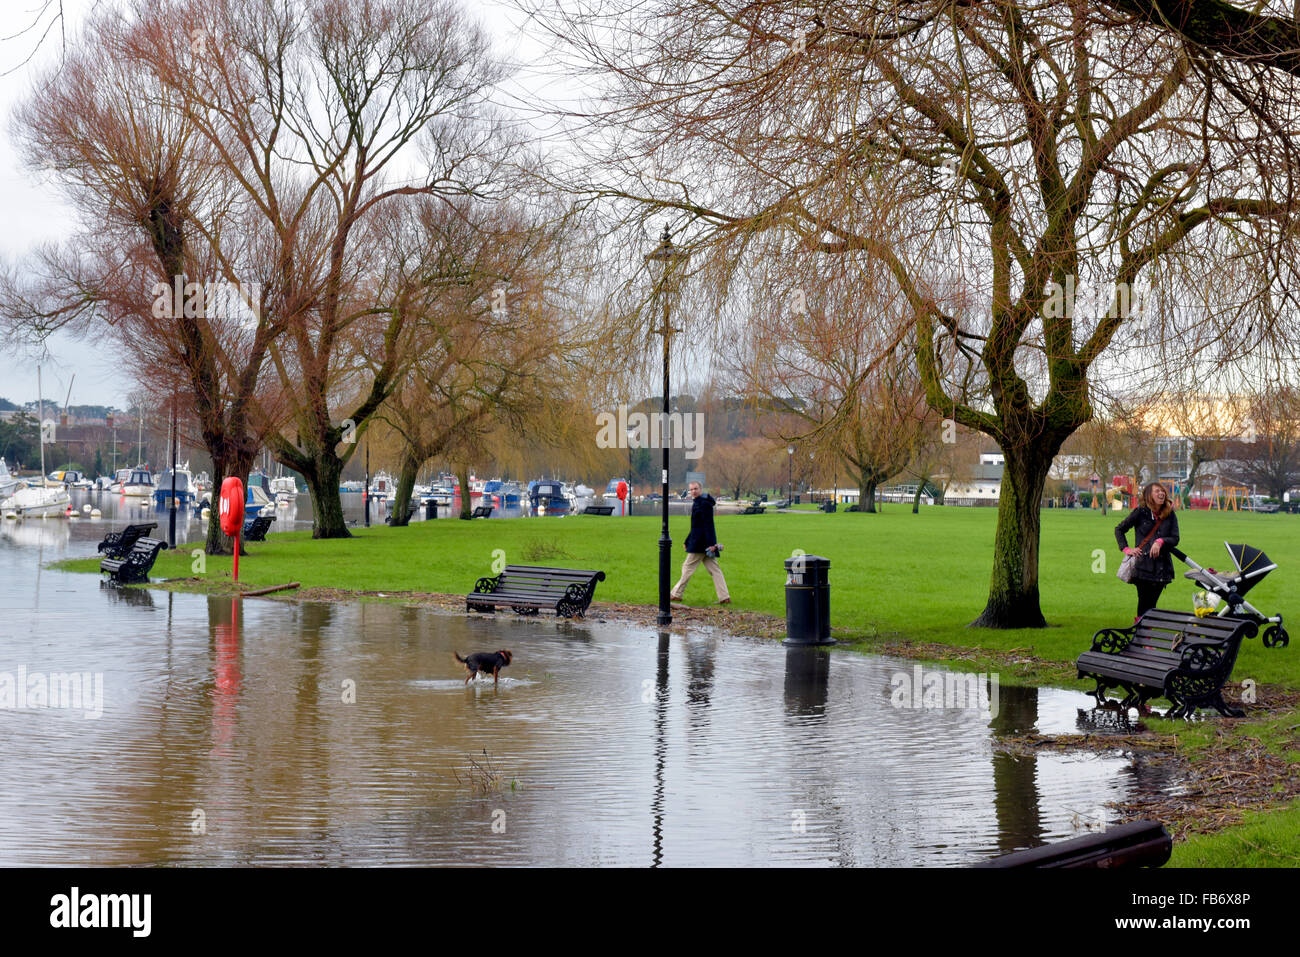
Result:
[
  {"x": 831, "y": 355},
  {"x": 993, "y": 158},
  {"x": 324, "y": 113},
  {"x": 495, "y": 342},
  {"x": 167, "y": 266},
  {"x": 1269, "y": 457}
]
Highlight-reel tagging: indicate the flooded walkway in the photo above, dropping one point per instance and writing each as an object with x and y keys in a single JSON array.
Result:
[{"x": 261, "y": 732}]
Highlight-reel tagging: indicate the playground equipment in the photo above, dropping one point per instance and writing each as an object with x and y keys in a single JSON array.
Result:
[
  {"x": 1228, "y": 497},
  {"x": 1122, "y": 493}
]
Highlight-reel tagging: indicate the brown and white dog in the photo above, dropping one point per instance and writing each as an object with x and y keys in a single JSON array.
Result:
[{"x": 484, "y": 661}]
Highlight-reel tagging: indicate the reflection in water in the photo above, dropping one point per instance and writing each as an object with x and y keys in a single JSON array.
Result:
[
  {"x": 231, "y": 741},
  {"x": 700, "y": 655},
  {"x": 1108, "y": 721},
  {"x": 807, "y": 680},
  {"x": 661, "y": 749},
  {"x": 1016, "y": 798},
  {"x": 223, "y": 615},
  {"x": 127, "y": 594}
]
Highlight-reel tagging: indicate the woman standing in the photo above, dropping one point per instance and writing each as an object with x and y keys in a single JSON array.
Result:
[{"x": 1156, "y": 531}]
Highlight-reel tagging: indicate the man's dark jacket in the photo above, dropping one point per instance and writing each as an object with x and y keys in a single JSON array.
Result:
[
  {"x": 1160, "y": 569},
  {"x": 702, "y": 535}
]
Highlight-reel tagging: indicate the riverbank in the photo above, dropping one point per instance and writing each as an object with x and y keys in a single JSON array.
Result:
[{"x": 899, "y": 584}]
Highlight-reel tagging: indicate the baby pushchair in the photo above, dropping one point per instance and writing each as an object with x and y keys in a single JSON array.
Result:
[{"x": 1231, "y": 588}]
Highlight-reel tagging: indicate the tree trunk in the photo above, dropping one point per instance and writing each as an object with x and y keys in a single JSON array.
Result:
[
  {"x": 466, "y": 506},
  {"x": 916, "y": 500},
  {"x": 867, "y": 494},
  {"x": 238, "y": 465},
  {"x": 326, "y": 505},
  {"x": 1191, "y": 480},
  {"x": 405, "y": 484},
  {"x": 1013, "y": 589}
]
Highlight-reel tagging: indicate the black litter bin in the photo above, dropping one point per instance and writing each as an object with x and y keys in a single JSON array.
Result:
[
  {"x": 430, "y": 509},
  {"x": 808, "y": 601}
]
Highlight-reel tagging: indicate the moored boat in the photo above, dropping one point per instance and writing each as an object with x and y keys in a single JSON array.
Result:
[
  {"x": 546, "y": 496},
  {"x": 162, "y": 494},
  {"x": 9, "y": 484},
  {"x": 37, "y": 502},
  {"x": 139, "y": 483}
]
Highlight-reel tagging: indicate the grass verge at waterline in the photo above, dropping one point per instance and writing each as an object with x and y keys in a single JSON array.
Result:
[{"x": 900, "y": 583}]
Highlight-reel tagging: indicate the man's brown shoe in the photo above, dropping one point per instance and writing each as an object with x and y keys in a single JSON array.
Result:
[
  {"x": 678, "y": 601},
  {"x": 725, "y": 601}
]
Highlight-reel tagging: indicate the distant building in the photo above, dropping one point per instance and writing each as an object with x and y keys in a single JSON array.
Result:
[{"x": 978, "y": 484}]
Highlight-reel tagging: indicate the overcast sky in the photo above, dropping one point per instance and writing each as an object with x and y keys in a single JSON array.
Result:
[{"x": 34, "y": 211}]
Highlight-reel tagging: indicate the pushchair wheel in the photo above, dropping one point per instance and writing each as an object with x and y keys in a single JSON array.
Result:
[{"x": 1275, "y": 636}]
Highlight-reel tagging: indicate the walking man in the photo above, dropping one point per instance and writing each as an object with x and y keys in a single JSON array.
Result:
[{"x": 698, "y": 544}]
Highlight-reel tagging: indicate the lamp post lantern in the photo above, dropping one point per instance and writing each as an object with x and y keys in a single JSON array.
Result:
[
  {"x": 663, "y": 262},
  {"x": 789, "y": 489}
]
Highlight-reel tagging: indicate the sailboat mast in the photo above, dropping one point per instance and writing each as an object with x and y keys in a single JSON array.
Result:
[{"x": 40, "y": 411}]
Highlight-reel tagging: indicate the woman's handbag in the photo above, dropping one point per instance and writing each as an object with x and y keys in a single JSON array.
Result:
[{"x": 1129, "y": 564}]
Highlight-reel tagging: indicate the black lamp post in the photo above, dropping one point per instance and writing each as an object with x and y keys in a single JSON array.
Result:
[
  {"x": 630, "y": 434},
  {"x": 789, "y": 491},
  {"x": 663, "y": 262},
  {"x": 171, "y": 512}
]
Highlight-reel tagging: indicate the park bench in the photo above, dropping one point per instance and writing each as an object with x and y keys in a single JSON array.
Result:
[
  {"x": 255, "y": 529},
  {"x": 827, "y": 506},
  {"x": 754, "y": 509},
  {"x": 598, "y": 510},
  {"x": 118, "y": 544},
  {"x": 528, "y": 588},
  {"x": 1182, "y": 657},
  {"x": 135, "y": 565},
  {"x": 1136, "y": 844},
  {"x": 481, "y": 511}
]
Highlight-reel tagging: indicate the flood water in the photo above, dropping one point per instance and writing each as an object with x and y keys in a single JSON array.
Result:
[{"x": 259, "y": 732}]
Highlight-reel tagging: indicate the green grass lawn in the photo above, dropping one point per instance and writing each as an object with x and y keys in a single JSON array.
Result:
[
  {"x": 1263, "y": 839},
  {"x": 921, "y": 577}
]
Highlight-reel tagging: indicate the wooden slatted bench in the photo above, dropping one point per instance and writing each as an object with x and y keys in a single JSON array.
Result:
[
  {"x": 528, "y": 588},
  {"x": 598, "y": 510},
  {"x": 754, "y": 510},
  {"x": 118, "y": 544},
  {"x": 1182, "y": 657},
  {"x": 255, "y": 529},
  {"x": 480, "y": 511},
  {"x": 134, "y": 566},
  {"x": 1136, "y": 844}
]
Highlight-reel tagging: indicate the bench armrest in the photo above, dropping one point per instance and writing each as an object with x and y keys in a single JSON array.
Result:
[
  {"x": 485, "y": 586},
  {"x": 1112, "y": 640},
  {"x": 1202, "y": 656}
]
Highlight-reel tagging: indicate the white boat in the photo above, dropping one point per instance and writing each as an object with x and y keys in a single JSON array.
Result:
[
  {"x": 284, "y": 488},
  {"x": 383, "y": 485},
  {"x": 442, "y": 494},
  {"x": 139, "y": 483},
  {"x": 36, "y": 502},
  {"x": 583, "y": 491},
  {"x": 8, "y": 484},
  {"x": 120, "y": 478}
]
